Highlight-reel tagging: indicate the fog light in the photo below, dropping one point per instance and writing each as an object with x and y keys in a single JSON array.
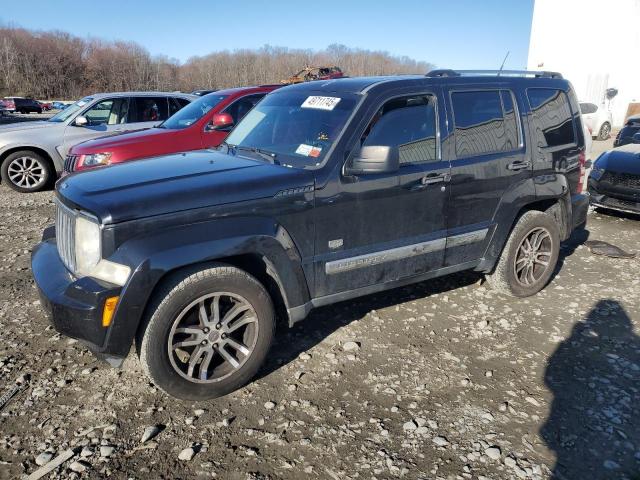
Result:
[{"x": 109, "y": 307}]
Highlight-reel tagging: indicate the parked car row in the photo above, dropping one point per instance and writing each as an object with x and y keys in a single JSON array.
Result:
[
  {"x": 324, "y": 191},
  {"x": 32, "y": 154}
]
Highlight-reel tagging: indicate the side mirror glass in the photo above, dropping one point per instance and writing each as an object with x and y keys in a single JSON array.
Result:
[
  {"x": 81, "y": 121},
  {"x": 375, "y": 159},
  {"x": 220, "y": 121}
]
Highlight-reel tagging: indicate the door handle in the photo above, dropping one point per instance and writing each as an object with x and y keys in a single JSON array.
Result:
[
  {"x": 435, "y": 178},
  {"x": 514, "y": 166}
]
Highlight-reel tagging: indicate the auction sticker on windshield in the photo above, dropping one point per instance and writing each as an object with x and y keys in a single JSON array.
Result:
[
  {"x": 308, "y": 150},
  {"x": 321, "y": 103}
]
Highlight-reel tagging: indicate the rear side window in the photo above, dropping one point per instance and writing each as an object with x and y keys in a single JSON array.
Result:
[
  {"x": 587, "y": 108},
  {"x": 176, "y": 104},
  {"x": 408, "y": 123},
  {"x": 485, "y": 122},
  {"x": 552, "y": 117},
  {"x": 148, "y": 109}
]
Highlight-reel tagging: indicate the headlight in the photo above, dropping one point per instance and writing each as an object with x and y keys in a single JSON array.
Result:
[
  {"x": 88, "y": 250},
  {"x": 96, "y": 159},
  {"x": 79, "y": 241}
]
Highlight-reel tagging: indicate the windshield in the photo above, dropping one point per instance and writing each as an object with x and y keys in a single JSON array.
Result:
[
  {"x": 193, "y": 112},
  {"x": 294, "y": 125},
  {"x": 71, "y": 110}
]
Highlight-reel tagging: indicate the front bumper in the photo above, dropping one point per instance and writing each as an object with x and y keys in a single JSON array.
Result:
[
  {"x": 74, "y": 305},
  {"x": 604, "y": 201}
]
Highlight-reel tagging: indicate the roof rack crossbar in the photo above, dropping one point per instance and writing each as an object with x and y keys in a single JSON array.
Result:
[{"x": 493, "y": 73}]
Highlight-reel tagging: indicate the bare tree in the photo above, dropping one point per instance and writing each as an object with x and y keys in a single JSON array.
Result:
[{"x": 57, "y": 65}]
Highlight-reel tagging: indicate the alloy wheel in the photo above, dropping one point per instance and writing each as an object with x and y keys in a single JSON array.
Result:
[
  {"x": 26, "y": 172},
  {"x": 213, "y": 337},
  {"x": 533, "y": 256}
]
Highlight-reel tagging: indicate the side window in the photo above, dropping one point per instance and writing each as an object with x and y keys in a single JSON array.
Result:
[
  {"x": 552, "y": 117},
  {"x": 176, "y": 104},
  {"x": 485, "y": 122},
  {"x": 108, "y": 112},
  {"x": 148, "y": 109},
  {"x": 512, "y": 135},
  {"x": 408, "y": 123},
  {"x": 587, "y": 108},
  {"x": 241, "y": 107}
]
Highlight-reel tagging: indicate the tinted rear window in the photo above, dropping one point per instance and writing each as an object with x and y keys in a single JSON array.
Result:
[
  {"x": 552, "y": 117},
  {"x": 485, "y": 122}
]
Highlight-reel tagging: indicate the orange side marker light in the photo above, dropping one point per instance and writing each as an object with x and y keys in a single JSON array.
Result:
[{"x": 109, "y": 307}]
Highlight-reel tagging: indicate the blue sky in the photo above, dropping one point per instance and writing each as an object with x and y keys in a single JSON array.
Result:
[{"x": 453, "y": 33}]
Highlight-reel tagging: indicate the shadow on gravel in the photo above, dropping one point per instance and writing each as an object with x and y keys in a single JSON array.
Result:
[
  {"x": 321, "y": 323},
  {"x": 569, "y": 246},
  {"x": 594, "y": 375}
]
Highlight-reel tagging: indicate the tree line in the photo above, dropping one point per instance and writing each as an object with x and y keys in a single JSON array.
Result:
[{"x": 58, "y": 65}]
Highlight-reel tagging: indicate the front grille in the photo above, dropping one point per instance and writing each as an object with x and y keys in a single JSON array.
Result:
[
  {"x": 70, "y": 163},
  {"x": 621, "y": 179},
  {"x": 65, "y": 235}
]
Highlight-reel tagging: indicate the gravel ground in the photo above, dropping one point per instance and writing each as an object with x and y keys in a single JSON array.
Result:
[{"x": 443, "y": 379}]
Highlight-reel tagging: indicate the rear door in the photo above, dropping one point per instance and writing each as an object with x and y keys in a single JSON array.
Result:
[
  {"x": 488, "y": 159},
  {"x": 105, "y": 117},
  {"x": 384, "y": 227}
]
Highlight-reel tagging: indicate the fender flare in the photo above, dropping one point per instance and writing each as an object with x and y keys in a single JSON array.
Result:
[{"x": 155, "y": 256}]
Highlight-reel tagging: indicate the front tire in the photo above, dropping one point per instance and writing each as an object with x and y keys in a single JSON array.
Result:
[
  {"x": 605, "y": 131},
  {"x": 207, "y": 333},
  {"x": 529, "y": 257},
  {"x": 26, "y": 171}
]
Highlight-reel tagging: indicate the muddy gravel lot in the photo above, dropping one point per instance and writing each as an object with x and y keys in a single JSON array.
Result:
[{"x": 443, "y": 379}]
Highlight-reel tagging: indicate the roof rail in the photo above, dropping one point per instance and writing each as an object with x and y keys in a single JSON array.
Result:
[{"x": 493, "y": 73}]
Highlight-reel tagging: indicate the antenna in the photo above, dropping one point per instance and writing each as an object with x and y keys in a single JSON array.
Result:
[{"x": 503, "y": 62}]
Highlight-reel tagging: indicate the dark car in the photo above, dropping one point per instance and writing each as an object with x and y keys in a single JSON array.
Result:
[
  {"x": 27, "y": 105},
  {"x": 626, "y": 133},
  {"x": 325, "y": 191},
  {"x": 201, "y": 93},
  {"x": 614, "y": 182}
]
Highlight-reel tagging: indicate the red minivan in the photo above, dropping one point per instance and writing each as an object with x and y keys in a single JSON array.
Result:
[{"x": 203, "y": 123}]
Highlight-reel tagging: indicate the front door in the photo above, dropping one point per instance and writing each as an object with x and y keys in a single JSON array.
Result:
[
  {"x": 106, "y": 117},
  {"x": 380, "y": 228}
]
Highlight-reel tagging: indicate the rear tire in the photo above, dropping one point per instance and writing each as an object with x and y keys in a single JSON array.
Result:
[
  {"x": 605, "y": 131},
  {"x": 529, "y": 258},
  {"x": 192, "y": 344},
  {"x": 26, "y": 171}
]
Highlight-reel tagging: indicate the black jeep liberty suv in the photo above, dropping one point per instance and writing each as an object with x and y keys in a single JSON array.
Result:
[{"x": 325, "y": 191}]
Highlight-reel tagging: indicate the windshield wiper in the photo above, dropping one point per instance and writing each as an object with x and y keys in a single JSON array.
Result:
[{"x": 264, "y": 154}]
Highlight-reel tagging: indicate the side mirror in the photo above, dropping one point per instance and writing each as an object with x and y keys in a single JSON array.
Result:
[
  {"x": 375, "y": 159},
  {"x": 636, "y": 138},
  {"x": 81, "y": 121},
  {"x": 220, "y": 121}
]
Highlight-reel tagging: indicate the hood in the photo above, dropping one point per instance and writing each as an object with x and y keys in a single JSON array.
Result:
[
  {"x": 173, "y": 183},
  {"x": 12, "y": 127},
  {"x": 622, "y": 160},
  {"x": 119, "y": 140}
]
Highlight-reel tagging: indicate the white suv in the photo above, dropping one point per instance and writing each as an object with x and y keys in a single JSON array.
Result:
[{"x": 597, "y": 119}]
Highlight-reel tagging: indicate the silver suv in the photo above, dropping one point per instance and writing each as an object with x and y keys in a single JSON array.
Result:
[{"x": 32, "y": 153}]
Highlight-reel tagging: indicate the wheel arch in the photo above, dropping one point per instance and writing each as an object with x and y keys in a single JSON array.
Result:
[
  {"x": 264, "y": 257},
  {"x": 558, "y": 207},
  {"x": 39, "y": 150}
]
